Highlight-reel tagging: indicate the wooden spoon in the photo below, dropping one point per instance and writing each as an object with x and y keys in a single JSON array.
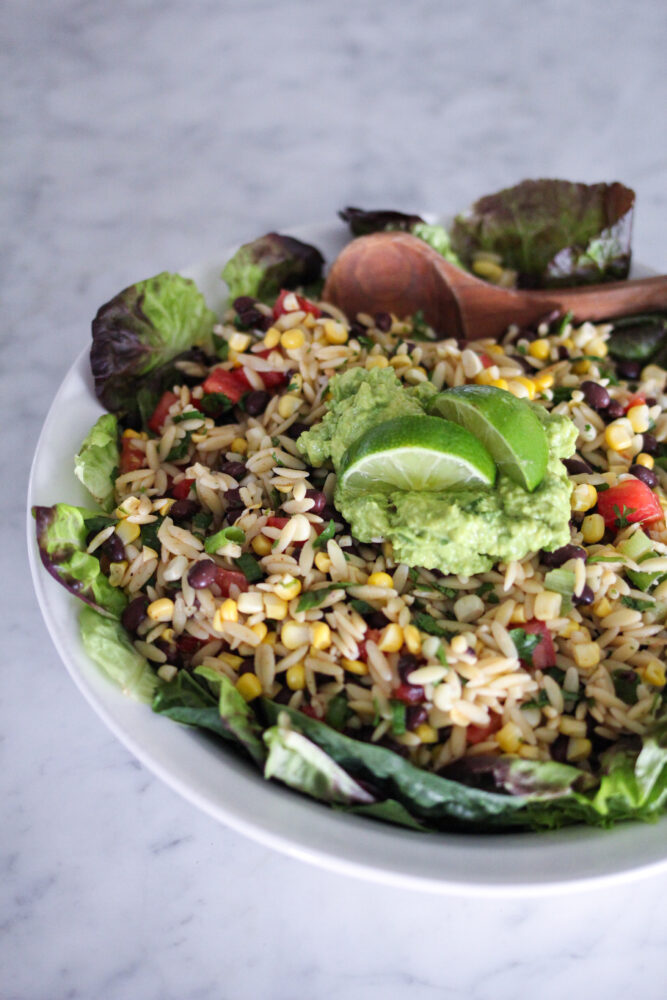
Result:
[{"x": 400, "y": 274}]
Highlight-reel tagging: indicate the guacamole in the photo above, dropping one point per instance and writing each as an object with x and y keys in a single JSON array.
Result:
[{"x": 463, "y": 530}]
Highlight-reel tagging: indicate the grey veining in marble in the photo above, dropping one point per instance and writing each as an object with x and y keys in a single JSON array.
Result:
[{"x": 139, "y": 136}]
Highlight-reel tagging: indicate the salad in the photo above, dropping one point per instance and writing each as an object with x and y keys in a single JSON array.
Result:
[{"x": 419, "y": 579}]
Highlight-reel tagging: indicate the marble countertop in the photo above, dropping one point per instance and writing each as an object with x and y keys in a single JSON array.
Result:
[{"x": 142, "y": 136}]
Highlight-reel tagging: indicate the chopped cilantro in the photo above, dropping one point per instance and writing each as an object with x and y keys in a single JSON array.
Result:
[
  {"x": 201, "y": 522},
  {"x": 313, "y": 598},
  {"x": 180, "y": 448},
  {"x": 427, "y": 623},
  {"x": 398, "y": 713},
  {"x": 622, "y": 515},
  {"x": 637, "y": 604},
  {"x": 562, "y": 394},
  {"x": 362, "y": 607},
  {"x": 337, "y": 712},
  {"x": 220, "y": 346},
  {"x": 214, "y": 404},
  {"x": 249, "y": 566},
  {"x": 327, "y": 534},
  {"x": 526, "y": 643}
]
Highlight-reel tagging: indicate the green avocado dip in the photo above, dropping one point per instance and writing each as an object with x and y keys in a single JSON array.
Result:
[{"x": 463, "y": 529}]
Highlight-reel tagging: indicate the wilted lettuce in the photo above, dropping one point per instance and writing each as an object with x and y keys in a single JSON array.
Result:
[
  {"x": 138, "y": 334},
  {"x": 96, "y": 462},
  {"x": 552, "y": 232},
  {"x": 62, "y": 531},
  {"x": 261, "y": 268},
  {"x": 108, "y": 645}
]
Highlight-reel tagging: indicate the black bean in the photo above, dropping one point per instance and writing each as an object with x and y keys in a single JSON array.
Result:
[
  {"x": 247, "y": 667},
  {"x": 244, "y": 302},
  {"x": 256, "y": 402},
  {"x": 651, "y": 400},
  {"x": 297, "y": 429},
  {"x": 649, "y": 444},
  {"x": 614, "y": 410},
  {"x": 376, "y": 619},
  {"x": 647, "y": 476},
  {"x": 233, "y": 498},
  {"x": 415, "y": 715},
  {"x": 585, "y": 597},
  {"x": 134, "y": 613},
  {"x": 630, "y": 370},
  {"x": 357, "y": 329},
  {"x": 252, "y": 318},
  {"x": 202, "y": 574},
  {"x": 563, "y": 352},
  {"x": 329, "y": 513},
  {"x": 406, "y": 664},
  {"x": 114, "y": 548},
  {"x": 236, "y": 470},
  {"x": 383, "y": 321},
  {"x": 560, "y": 556},
  {"x": 595, "y": 395},
  {"x": 182, "y": 509},
  {"x": 319, "y": 501},
  {"x": 234, "y": 513},
  {"x": 527, "y": 334},
  {"x": 576, "y": 467}
]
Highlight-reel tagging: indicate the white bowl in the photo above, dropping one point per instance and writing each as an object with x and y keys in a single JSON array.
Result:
[{"x": 227, "y": 789}]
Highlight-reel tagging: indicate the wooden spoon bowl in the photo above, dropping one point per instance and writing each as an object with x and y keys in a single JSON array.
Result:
[{"x": 400, "y": 274}]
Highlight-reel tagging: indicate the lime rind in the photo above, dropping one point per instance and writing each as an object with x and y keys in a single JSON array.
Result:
[
  {"x": 415, "y": 453},
  {"x": 506, "y": 425}
]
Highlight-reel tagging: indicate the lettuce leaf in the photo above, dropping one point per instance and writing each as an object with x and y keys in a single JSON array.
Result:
[
  {"x": 61, "y": 536},
  {"x": 108, "y": 645},
  {"x": 142, "y": 330},
  {"x": 261, "y": 268},
  {"x": 552, "y": 232},
  {"x": 96, "y": 463}
]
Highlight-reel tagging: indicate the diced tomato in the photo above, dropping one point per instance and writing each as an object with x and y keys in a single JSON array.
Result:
[
  {"x": 225, "y": 578},
  {"x": 629, "y": 502},
  {"x": 486, "y": 360},
  {"x": 181, "y": 490},
  {"x": 544, "y": 654},
  {"x": 189, "y": 644},
  {"x": 637, "y": 400},
  {"x": 160, "y": 412},
  {"x": 233, "y": 384},
  {"x": 131, "y": 457},
  {"x": 304, "y": 304},
  {"x": 277, "y": 522},
  {"x": 309, "y": 711},
  {"x": 372, "y": 635},
  {"x": 478, "y": 734},
  {"x": 409, "y": 694},
  {"x": 271, "y": 380}
]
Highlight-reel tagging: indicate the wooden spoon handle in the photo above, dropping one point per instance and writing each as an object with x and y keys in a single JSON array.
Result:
[{"x": 618, "y": 298}]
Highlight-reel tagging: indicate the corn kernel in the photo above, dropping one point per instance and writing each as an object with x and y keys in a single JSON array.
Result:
[
  {"x": 292, "y": 340},
  {"x": 485, "y": 377},
  {"x": 293, "y": 635},
  {"x": 295, "y": 676},
  {"x": 380, "y": 580},
  {"x": 249, "y": 686},
  {"x": 148, "y": 553},
  {"x": 275, "y": 607},
  {"x": 500, "y": 383},
  {"x": 518, "y": 615},
  {"x": 335, "y": 333},
  {"x": 260, "y": 630},
  {"x": 618, "y": 434},
  {"x": 547, "y": 605},
  {"x": 239, "y": 446},
  {"x": 400, "y": 361},
  {"x": 323, "y": 562},
  {"x": 426, "y": 733},
  {"x": 570, "y": 726},
  {"x": 568, "y": 629},
  {"x": 543, "y": 381},
  {"x": 495, "y": 349},
  {"x": 161, "y": 610},
  {"x": 639, "y": 418},
  {"x": 581, "y": 367},
  {"x": 540, "y": 349},
  {"x": 586, "y": 654},
  {"x": 643, "y": 458},
  {"x": 655, "y": 673},
  {"x": 231, "y": 659},
  {"x": 129, "y": 433},
  {"x": 227, "y": 612},
  {"x": 321, "y": 636},
  {"x": 376, "y": 361},
  {"x": 412, "y": 639},
  {"x": 354, "y": 666},
  {"x": 568, "y": 343},
  {"x": 117, "y": 572},
  {"x": 391, "y": 638},
  {"x": 272, "y": 337},
  {"x": 509, "y": 737},
  {"x": 598, "y": 347},
  {"x": 584, "y": 496},
  {"x": 592, "y": 528},
  {"x": 578, "y": 748},
  {"x": 288, "y": 588},
  {"x": 261, "y": 545},
  {"x": 239, "y": 342},
  {"x": 288, "y": 405},
  {"x": 127, "y": 531},
  {"x": 488, "y": 270}
]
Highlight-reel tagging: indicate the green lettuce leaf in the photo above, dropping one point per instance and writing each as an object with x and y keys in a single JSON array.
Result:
[
  {"x": 236, "y": 715},
  {"x": 438, "y": 238},
  {"x": 108, "y": 645},
  {"x": 301, "y": 764},
  {"x": 187, "y": 700},
  {"x": 261, "y": 268},
  {"x": 96, "y": 463},
  {"x": 61, "y": 536},
  {"x": 552, "y": 232},
  {"x": 139, "y": 333}
]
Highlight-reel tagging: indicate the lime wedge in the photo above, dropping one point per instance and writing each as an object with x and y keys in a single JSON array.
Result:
[
  {"x": 507, "y": 426},
  {"x": 415, "y": 453}
]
